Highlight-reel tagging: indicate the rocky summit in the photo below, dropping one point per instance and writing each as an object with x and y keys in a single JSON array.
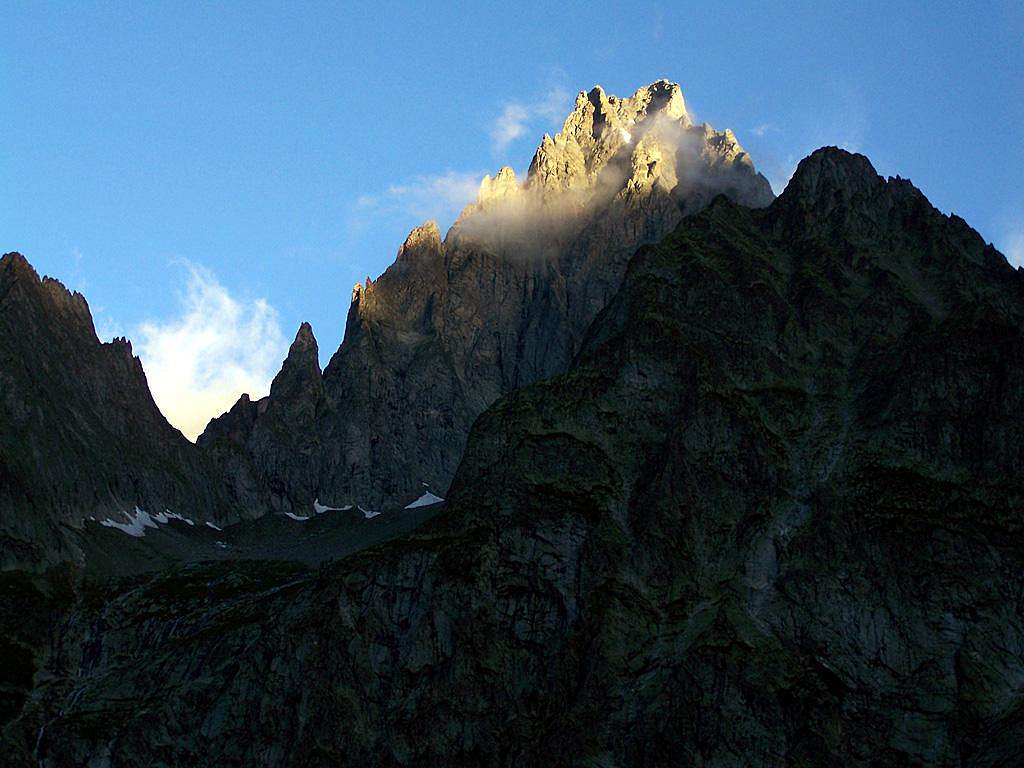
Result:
[
  {"x": 729, "y": 481},
  {"x": 501, "y": 301}
]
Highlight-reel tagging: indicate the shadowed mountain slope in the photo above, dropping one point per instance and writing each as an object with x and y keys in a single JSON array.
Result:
[
  {"x": 80, "y": 435},
  {"x": 771, "y": 515},
  {"x": 502, "y": 301}
]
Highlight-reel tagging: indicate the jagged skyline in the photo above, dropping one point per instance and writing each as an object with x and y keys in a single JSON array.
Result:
[
  {"x": 189, "y": 234},
  {"x": 776, "y": 492},
  {"x": 630, "y": 462}
]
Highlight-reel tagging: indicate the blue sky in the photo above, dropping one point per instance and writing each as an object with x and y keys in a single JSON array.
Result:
[{"x": 211, "y": 175}]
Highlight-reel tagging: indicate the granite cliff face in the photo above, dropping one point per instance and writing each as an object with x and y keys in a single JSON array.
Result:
[
  {"x": 80, "y": 435},
  {"x": 770, "y": 515},
  {"x": 502, "y": 301}
]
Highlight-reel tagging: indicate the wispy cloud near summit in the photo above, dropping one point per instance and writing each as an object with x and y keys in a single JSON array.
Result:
[
  {"x": 440, "y": 196},
  {"x": 517, "y": 118},
  {"x": 510, "y": 125}
]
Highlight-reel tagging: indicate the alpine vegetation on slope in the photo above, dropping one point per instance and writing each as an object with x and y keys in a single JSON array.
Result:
[
  {"x": 501, "y": 302},
  {"x": 771, "y": 515},
  {"x": 80, "y": 435}
]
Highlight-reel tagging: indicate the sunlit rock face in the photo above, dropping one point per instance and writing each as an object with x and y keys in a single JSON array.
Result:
[
  {"x": 505, "y": 298},
  {"x": 611, "y": 150}
]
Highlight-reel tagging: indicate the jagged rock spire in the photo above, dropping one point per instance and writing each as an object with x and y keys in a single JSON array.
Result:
[
  {"x": 610, "y": 146},
  {"x": 598, "y": 127},
  {"x": 304, "y": 347},
  {"x": 15, "y": 268},
  {"x": 424, "y": 238},
  {"x": 301, "y": 364}
]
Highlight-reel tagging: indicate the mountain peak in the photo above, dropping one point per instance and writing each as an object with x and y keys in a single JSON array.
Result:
[
  {"x": 663, "y": 97},
  {"x": 611, "y": 147},
  {"x": 506, "y": 297},
  {"x": 304, "y": 337},
  {"x": 501, "y": 189},
  {"x": 601, "y": 125},
  {"x": 15, "y": 269},
  {"x": 304, "y": 350},
  {"x": 503, "y": 183},
  {"x": 302, "y": 363},
  {"x": 834, "y": 192},
  {"x": 424, "y": 237},
  {"x": 660, "y": 97},
  {"x": 13, "y": 263},
  {"x": 831, "y": 170}
]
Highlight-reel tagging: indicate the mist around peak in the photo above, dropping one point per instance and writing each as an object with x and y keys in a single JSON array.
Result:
[{"x": 610, "y": 150}]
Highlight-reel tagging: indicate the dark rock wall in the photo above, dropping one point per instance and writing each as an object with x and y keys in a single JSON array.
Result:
[{"x": 770, "y": 516}]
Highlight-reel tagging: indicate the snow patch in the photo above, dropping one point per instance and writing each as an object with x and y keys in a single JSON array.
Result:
[
  {"x": 166, "y": 516},
  {"x": 136, "y": 525},
  {"x": 140, "y": 520},
  {"x": 425, "y": 500},
  {"x": 368, "y": 513},
  {"x": 319, "y": 508},
  {"x": 214, "y": 526},
  {"x": 297, "y": 517}
]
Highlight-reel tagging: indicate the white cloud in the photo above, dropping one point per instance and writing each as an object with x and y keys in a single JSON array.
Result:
[
  {"x": 509, "y": 126},
  {"x": 516, "y": 117},
  {"x": 443, "y": 196},
  {"x": 1008, "y": 228},
  {"x": 1013, "y": 247},
  {"x": 218, "y": 347},
  {"x": 555, "y": 105},
  {"x": 440, "y": 197},
  {"x": 452, "y": 189}
]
